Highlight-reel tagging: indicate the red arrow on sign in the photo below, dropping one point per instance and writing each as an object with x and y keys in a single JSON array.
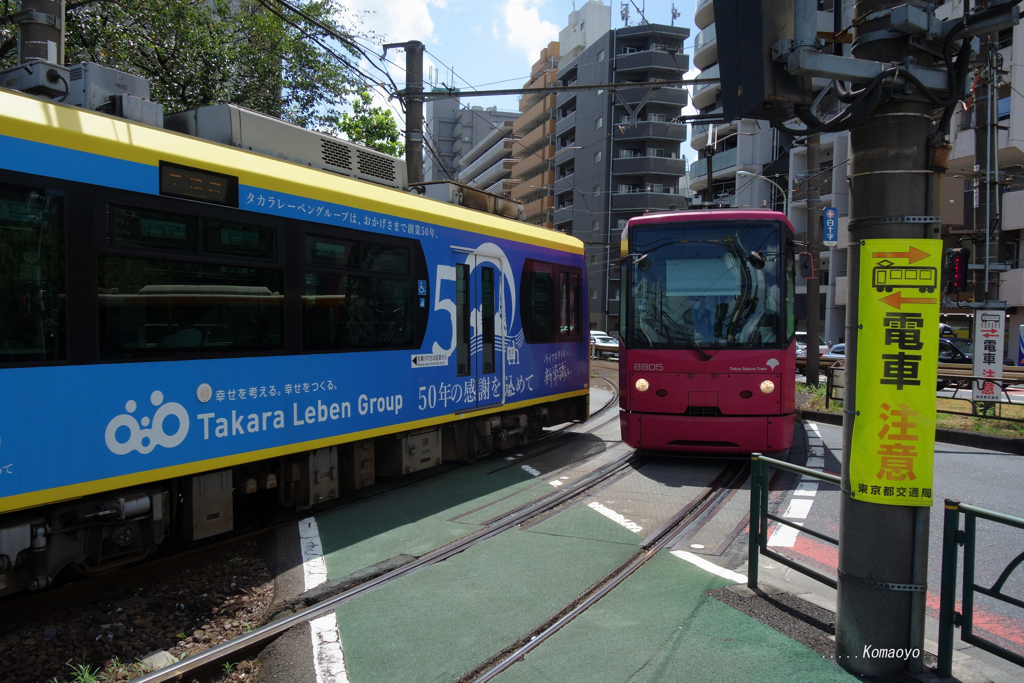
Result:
[
  {"x": 896, "y": 300},
  {"x": 912, "y": 256}
]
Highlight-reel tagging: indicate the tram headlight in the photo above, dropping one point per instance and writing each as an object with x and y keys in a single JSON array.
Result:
[
  {"x": 642, "y": 385},
  {"x": 767, "y": 386}
]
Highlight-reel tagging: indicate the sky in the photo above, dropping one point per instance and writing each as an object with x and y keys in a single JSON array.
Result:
[{"x": 490, "y": 44}]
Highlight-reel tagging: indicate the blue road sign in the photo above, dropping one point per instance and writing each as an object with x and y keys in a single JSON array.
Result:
[{"x": 830, "y": 226}]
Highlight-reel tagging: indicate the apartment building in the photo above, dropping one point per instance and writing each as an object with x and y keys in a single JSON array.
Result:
[
  {"x": 535, "y": 129},
  {"x": 489, "y": 164},
  {"x": 615, "y": 157},
  {"x": 451, "y": 130}
]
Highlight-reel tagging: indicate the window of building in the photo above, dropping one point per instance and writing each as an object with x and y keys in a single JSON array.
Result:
[
  {"x": 597, "y": 190},
  {"x": 628, "y": 50},
  {"x": 597, "y": 158},
  {"x": 32, "y": 291},
  {"x": 599, "y": 123},
  {"x": 595, "y": 226},
  {"x": 600, "y": 56},
  {"x": 174, "y": 283}
]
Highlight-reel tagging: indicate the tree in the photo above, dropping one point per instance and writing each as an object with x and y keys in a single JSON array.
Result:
[
  {"x": 371, "y": 126},
  {"x": 257, "y": 54}
]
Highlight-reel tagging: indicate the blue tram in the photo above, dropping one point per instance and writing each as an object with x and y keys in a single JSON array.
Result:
[{"x": 186, "y": 324}]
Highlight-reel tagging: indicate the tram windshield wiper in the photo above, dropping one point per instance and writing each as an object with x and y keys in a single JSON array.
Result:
[{"x": 687, "y": 337}]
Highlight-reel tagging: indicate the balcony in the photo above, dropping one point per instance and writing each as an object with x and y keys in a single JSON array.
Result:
[
  {"x": 703, "y": 95},
  {"x": 564, "y": 215},
  {"x": 648, "y": 165},
  {"x": 531, "y": 165},
  {"x": 531, "y": 118},
  {"x": 565, "y": 184},
  {"x": 705, "y": 13},
  {"x": 545, "y": 80},
  {"x": 538, "y": 137},
  {"x": 662, "y": 130},
  {"x": 639, "y": 201},
  {"x": 539, "y": 206},
  {"x": 705, "y": 48},
  {"x": 499, "y": 151},
  {"x": 722, "y": 161},
  {"x": 566, "y": 123},
  {"x": 503, "y": 186},
  {"x": 653, "y": 60},
  {"x": 496, "y": 171},
  {"x": 666, "y": 94},
  {"x": 699, "y": 135},
  {"x": 533, "y": 187}
]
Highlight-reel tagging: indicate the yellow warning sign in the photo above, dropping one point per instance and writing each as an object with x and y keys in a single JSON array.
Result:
[{"x": 897, "y": 361}]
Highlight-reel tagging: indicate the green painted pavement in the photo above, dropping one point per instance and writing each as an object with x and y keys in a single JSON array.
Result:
[
  {"x": 659, "y": 626},
  {"x": 444, "y": 620},
  {"x": 414, "y": 519},
  {"x": 579, "y": 521}
]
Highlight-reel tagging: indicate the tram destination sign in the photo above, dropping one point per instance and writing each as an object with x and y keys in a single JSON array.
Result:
[
  {"x": 194, "y": 183},
  {"x": 893, "y": 448}
]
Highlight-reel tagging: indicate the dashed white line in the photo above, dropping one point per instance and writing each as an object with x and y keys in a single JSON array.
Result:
[
  {"x": 710, "y": 566},
  {"x": 615, "y": 517},
  {"x": 328, "y": 657},
  {"x": 531, "y": 470},
  {"x": 799, "y": 507}
]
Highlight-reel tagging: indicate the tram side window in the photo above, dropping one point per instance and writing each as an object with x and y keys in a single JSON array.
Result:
[
  {"x": 537, "y": 294},
  {"x": 570, "y": 306},
  {"x": 32, "y": 296},
  {"x": 357, "y": 295},
  {"x": 184, "y": 284}
]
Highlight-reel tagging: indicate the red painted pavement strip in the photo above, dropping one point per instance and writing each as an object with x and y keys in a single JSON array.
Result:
[{"x": 1004, "y": 630}]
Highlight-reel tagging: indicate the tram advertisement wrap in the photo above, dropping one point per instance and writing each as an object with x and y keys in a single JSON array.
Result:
[{"x": 897, "y": 349}]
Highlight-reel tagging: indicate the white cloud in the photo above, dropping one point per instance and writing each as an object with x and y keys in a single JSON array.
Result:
[
  {"x": 524, "y": 30},
  {"x": 396, "y": 21}
]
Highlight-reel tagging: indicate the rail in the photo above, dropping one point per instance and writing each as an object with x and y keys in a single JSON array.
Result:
[
  {"x": 953, "y": 536},
  {"x": 759, "y": 518}
]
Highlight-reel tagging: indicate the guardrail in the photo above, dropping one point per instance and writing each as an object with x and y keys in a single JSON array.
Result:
[
  {"x": 759, "y": 518},
  {"x": 953, "y": 536}
]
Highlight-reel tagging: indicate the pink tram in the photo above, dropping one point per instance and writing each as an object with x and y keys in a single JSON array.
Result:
[{"x": 708, "y": 358}]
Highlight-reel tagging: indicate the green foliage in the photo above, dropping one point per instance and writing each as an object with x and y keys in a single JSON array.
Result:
[
  {"x": 83, "y": 673},
  {"x": 228, "y": 667},
  {"x": 197, "y": 53},
  {"x": 374, "y": 127}
]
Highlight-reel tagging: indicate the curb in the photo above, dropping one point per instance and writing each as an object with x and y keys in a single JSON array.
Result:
[{"x": 957, "y": 437}]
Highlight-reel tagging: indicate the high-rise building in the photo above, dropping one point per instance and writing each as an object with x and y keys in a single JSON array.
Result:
[
  {"x": 451, "y": 130},
  {"x": 618, "y": 156},
  {"x": 489, "y": 164}
]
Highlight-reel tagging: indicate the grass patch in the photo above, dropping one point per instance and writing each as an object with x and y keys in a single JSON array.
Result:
[{"x": 814, "y": 399}]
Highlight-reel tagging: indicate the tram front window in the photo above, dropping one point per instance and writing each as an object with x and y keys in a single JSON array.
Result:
[{"x": 708, "y": 285}]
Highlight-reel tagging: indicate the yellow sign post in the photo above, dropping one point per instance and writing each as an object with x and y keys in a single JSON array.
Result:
[{"x": 893, "y": 445}]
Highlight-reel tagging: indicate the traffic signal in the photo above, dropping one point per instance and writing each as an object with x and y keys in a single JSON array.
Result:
[
  {"x": 956, "y": 269},
  {"x": 806, "y": 265}
]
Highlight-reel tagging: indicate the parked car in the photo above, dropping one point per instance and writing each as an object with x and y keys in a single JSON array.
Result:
[
  {"x": 836, "y": 353},
  {"x": 603, "y": 345},
  {"x": 801, "y": 345}
]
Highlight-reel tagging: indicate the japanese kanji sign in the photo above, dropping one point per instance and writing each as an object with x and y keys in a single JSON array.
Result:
[
  {"x": 897, "y": 355},
  {"x": 988, "y": 354}
]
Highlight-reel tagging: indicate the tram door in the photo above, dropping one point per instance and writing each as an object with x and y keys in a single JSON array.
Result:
[{"x": 479, "y": 337}]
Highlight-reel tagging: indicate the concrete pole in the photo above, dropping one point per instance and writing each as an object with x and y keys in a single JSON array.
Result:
[
  {"x": 813, "y": 295},
  {"x": 414, "y": 110},
  {"x": 41, "y": 40},
  {"x": 878, "y": 542}
]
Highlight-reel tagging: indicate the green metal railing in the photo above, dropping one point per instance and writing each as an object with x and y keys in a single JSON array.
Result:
[
  {"x": 759, "y": 518},
  {"x": 953, "y": 536}
]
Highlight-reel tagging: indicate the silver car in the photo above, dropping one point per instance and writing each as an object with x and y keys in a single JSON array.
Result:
[{"x": 603, "y": 345}]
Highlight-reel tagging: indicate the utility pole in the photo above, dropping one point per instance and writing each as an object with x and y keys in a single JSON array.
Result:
[
  {"x": 413, "y": 107},
  {"x": 892, "y": 196},
  {"x": 813, "y": 295},
  {"x": 40, "y": 31}
]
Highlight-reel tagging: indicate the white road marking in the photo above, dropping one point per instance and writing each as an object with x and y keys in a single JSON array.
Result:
[
  {"x": 784, "y": 536},
  {"x": 798, "y": 508},
  {"x": 710, "y": 566},
  {"x": 532, "y": 471},
  {"x": 328, "y": 657},
  {"x": 556, "y": 482},
  {"x": 816, "y": 463},
  {"x": 314, "y": 571},
  {"x": 806, "y": 488},
  {"x": 616, "y": 517}
]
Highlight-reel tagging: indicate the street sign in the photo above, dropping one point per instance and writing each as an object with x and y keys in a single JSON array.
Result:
[
  {"x": 988, "y": 354},
  {"x": 897, "y": 346},
  {"x": 830, "y": 226}
]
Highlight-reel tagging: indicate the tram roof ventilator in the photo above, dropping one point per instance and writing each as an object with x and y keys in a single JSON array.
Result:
[{"x": 252, "y": 131}]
